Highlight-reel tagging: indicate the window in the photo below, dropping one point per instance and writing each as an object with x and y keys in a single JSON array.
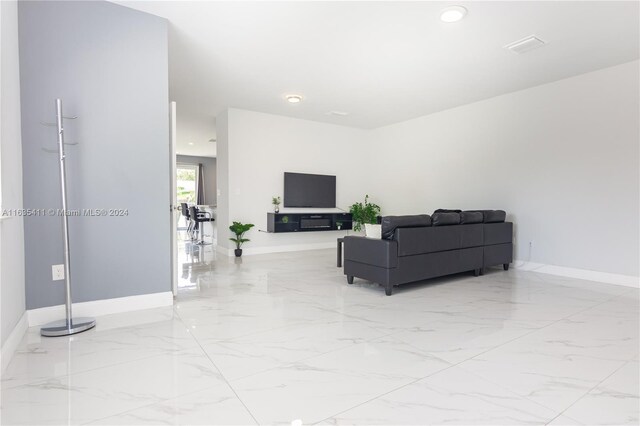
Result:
[{"x": 187, "y": 183}]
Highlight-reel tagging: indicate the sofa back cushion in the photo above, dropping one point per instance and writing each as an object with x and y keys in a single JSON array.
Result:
[
  {"x": 471, "y": 217},
  {"x": 492, "y": 216},
  {"x": 391, "y": 223},
  {"x": 447, "y": 211},
  {"x": 495, "y": 216},
  {"x": 443, "y": 219},
  {"x": 413, "y": 241}
]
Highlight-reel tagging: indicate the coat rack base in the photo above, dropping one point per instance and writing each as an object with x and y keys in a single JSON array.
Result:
[{"x": 64, "y": 328}]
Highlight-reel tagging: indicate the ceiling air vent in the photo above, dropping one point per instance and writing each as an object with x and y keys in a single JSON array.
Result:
[{"x": 524, "y": 45}]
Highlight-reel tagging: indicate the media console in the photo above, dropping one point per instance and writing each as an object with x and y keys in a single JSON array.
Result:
[{"x": 306, "y": 222}]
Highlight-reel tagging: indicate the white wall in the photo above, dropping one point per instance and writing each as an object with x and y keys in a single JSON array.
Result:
[
  {"x": 258, "y": 148},
  {"x": 222, "y": 180},
  {"x": 561, "y": 159},
  {"x": 12, "y": 294}
]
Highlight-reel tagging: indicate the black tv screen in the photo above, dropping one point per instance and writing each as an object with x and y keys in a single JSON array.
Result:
[{"x": 304, "y": 190}]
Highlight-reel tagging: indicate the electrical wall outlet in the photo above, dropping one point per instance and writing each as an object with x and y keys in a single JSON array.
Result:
[{"x": 57, "y": 272}]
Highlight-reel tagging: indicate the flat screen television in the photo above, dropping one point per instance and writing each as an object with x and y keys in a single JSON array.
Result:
[{"x": 305, "y": 190}]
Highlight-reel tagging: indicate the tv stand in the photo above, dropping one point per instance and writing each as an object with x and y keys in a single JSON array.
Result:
[{"x": 308, "y": 222}]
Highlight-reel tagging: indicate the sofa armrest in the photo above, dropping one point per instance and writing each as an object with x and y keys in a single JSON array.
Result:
[{"x": 381, "y": 253}]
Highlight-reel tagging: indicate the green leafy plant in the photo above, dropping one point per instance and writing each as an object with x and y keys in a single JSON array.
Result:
[
  {"x": 275, "y": 201},
  {"x": 239, "y": 229},
  {"x": 364, "y": 213}
]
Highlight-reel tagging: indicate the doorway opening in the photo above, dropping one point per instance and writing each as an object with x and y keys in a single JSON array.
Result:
[{"x": 194, "y": 200}]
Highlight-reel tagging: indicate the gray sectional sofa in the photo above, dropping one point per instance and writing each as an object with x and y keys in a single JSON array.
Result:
[{"x": 415, "y": 248}]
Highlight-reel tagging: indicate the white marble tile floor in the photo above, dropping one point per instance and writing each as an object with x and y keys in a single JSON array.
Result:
[{"x": 282, "y": 339}]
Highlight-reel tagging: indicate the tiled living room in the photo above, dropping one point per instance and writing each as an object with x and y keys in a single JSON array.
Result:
[{"x": 362, "y": 213}]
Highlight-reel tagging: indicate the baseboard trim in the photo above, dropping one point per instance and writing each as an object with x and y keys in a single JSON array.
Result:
[
  {"x": 95, "y": 308},
  {"x": 224, "y": 251},
  {"x": 250, "y": 251},
  {"x": 583, "y": 274},
  {"x": 12, "y": 342}
]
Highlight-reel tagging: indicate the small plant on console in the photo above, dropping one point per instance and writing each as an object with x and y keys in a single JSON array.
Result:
[{"x": 276, "y": 204}]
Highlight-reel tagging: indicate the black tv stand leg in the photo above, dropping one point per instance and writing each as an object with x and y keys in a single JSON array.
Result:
[
  {"x": 349, "y": 279},
  {"x": 476, "y": 272},
  {"x": 505, "y": 266},
  {"x": 481, "y": 271},
  {"x": 388, "y": 289}
]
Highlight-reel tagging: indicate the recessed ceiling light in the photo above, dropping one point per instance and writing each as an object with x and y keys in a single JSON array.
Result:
[
  {"x": 452, "y": 14},
  {"x": 294, "y": 99},
  {"x": 338, "y": 113},
  {"x": 190, "y": 143}
]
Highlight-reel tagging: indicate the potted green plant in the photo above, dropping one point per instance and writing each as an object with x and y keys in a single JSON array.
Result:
[
  {"x": 339, "y": 225},
  {"x": 276, "y": 204},
  {"x": 366, "y": 214},
  {"x": 239, "y": 229}
]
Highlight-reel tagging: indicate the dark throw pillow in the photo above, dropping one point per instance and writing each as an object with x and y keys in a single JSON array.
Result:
[
  {"x": 443, "y": 219},
  {"x": 447, "y": 211},
  {"x": 391, "y": 223}
]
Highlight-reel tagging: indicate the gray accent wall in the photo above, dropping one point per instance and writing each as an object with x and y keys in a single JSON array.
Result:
[
  {"x": 11, "y": 230},
  {"x": 109, "y": 65},
  {"x": 210, "y": 175}
]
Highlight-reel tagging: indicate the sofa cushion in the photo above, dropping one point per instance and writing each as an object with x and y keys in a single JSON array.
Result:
[
  {"x": 391, "y": 223},
  {"x": 427, "y": 239},
  {"x": 447, "y": 211},
  {"x": 492, "y": 216},
  {"x": 413, "y": 241},
  {"x": 471, "y": 217},
  {"x": 443, "y": 219}
]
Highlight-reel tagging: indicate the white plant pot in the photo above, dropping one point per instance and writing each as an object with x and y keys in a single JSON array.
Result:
[{"x": 372, "y": 231}]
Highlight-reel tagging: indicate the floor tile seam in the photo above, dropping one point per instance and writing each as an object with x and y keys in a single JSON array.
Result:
[
  {"x": 224, "y": 378},
  {"x": 61, "y": 376},
  {"x": 250, "y": 333},
  {"x": 284, "y": 364},
  {"x": 97, "y": 334},
  {"x": 295, "y": 323},
  {"x": 592, "y": 307},
  {"x": 484, "y": 379},
  {"x": 517, "y": 338},
  {"x": 624, "y": 364},
  {"x": 438, "y": 372},
  {"x": 510, "y": 390},
  {"x": 383, "y": 394},
  {"x": 572, "y": 419},
  {"x": 160, "y": 401}
]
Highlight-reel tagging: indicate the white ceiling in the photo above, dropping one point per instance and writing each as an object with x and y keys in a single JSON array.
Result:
[{"x": 382, "y": 62}]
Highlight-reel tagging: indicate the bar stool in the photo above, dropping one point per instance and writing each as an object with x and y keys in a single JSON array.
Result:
[
  {"x": 185, "y": 212},
  {"x": 200, "y": 217}
]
